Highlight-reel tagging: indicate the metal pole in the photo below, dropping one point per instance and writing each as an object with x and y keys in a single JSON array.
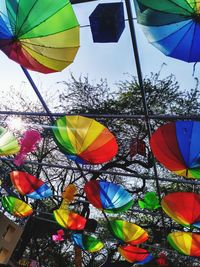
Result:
[
  {"x": 28, "y": 76},
  {"x": 143, "y": 92}
]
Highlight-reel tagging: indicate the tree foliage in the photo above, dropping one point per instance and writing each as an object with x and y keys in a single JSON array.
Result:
[{"x": 124, "y": 103}]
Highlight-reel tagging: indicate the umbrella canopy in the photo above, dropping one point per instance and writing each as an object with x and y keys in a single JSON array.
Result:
[
  {"x": 16, "y": 207},
  {"x": 29, "y": 185},
  {"x": 183, "y": 207},
  {"x": 185, "y": 243},
  {"x": 134, "y": 254},
  {"x": 111, "y": 198},
  {"x": 40, "y": 35},
  {"x": 84, "y": 140},
  {"x": 69, "y": 219},
  {"x": 176, "y": 145},
  {"x": 8, "y": 143},
  {"x": 87, "y": 243},
  {"x": 128, "y": 232},
  {"x": 172, "y": 26}
]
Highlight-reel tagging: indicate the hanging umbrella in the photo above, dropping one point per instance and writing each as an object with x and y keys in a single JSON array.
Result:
[
  {"x": 84, "y": 140},
  {"x": 172, "y": 26},
  {"x": 16, "y": 206},
  {"x": 128, "y": 232},
  {"x": 134, "y": 254},
  {"x": 8, "y": 143},
  {"x": 87, "y": 243},
  {"x": 111, "y": 198},
  {"x": 183, "y": 207},
  {"x": 29, "y": 185},
  {"x": 176, "y": 145},
  {"x": 185, "y": 243},
  {"x": 40, "y": 35},
  {"x": 69, "y": 219}
]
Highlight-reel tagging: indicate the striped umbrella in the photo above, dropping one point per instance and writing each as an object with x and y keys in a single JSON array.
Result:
[
  {"x": 185, "y": 243},
  {"x": 40, "y": 35},
  {"x": 128, "y": 232},
  {"x": 87, "y": 243},
  {"x": 84, "y": 140},
  {"x": 110, "y": 197},
  {"x": 16, "y": 207},
  {"x": 183, "y": 207}
]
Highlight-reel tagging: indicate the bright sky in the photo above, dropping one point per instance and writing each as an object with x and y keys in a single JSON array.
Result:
[{"x": 109, "y": 60}]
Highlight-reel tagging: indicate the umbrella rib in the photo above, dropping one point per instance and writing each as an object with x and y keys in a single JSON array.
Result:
[
  {"x": 192, "y": 41},
  {"x": 44, "y": 46},
  {"x": 181, "y": 6},
  {"x": 174, "y": 33},
  {"x": 40, "y": 21},
  {"x": 25, "y": 19},
  {"x": 46, "y": 56}
]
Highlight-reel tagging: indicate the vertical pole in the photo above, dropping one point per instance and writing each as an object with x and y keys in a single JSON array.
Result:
[{"x": 143, "y": 91}]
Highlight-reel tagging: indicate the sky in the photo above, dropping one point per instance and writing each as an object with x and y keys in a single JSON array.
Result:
[{"x": 101, "y": 60}]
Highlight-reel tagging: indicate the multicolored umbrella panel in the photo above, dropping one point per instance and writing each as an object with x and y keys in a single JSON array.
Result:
[
  {"x": 16, "y": 207},
  {"x": 172, "y": 26},
  {"x": 40, "y": 35},
  {"x": 183, "y": 207},
  {"x": 128, "y": 232},
  {"x": 29, "y": 185},
  {"x": 185, "y": 243},
  {"x": 110, "y": 197},
  {"x": 69, "y": 219},
  {"x": 8, "y": 143},
  {"x": 87, "y": 243},
  {"x": 84, "y": 140},
  {"x": 134, "y": 254},
  {"x": 176, "y": 145}
]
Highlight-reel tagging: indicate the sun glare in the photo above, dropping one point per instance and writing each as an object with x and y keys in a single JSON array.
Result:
[{"x": 15, "y": 124}]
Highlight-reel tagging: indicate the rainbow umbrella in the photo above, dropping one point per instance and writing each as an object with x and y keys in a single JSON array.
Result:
[
  {"x": 16, "y": 206},
  {"x": 111, "y": 198},
  {"x": 87, "y": 243},
  {"x": 84, "y": 140},
  {"x": 40, "y": 35},
  {"x": 69, "y": 219},
  {"x": 8, "y": 143},
  {"x": 176, "y": 145},
  {"x": 172, "y": 26},
  {"x": 185, "y": 243},
  {"x": 183, "y": 207},
  {"x": 29, "y": 185},
  {"x": 128, "y": 232},
  {"x": 134, "y": 254}
]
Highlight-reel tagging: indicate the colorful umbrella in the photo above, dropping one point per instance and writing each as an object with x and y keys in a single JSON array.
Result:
[
  {"x": 84, "y": 140},
  {"x": 128, "y": 232},
  {"x": 185, "y": 243},
  {"x": 172, "y": 26},
  {"x": 8, "y": 143},
  {"x": 16, "y": 206},
  {"x": 176, "y": 145},
  {"x": 69, "y": 219},
  {"x": 29, "y": 185},
  {"x": 111, "y": 198},
  {"x": 40, "y": 35},
  {"x": 183, "y": 207},
  {"x": 87, "y": 243},
  {"x": 134, "y": 254}
]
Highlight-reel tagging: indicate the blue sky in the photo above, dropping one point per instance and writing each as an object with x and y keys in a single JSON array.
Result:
[{"x": 97, "y": 60}]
